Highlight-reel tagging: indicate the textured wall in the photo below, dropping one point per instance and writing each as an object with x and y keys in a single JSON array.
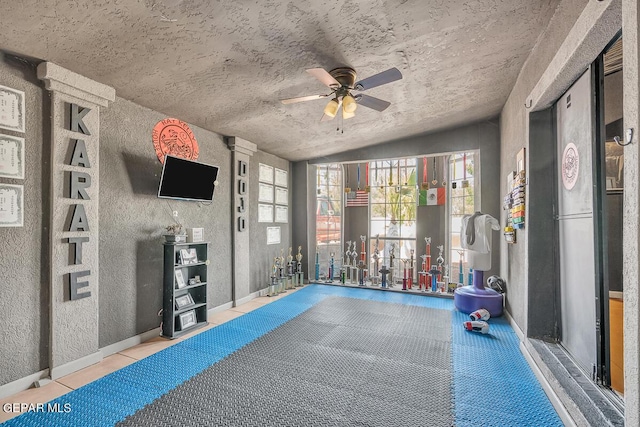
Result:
[
  {"x": 132, "y": 221},
  {"x": 514, "y": 136},
  {"x": 24, "y": 259},
  {"x": 262, "y": 254},
  {"x": 631, "y": 215}
]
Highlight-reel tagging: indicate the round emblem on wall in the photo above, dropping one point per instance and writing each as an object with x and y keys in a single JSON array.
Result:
[
  {"x": 174, "y": 137},
  {"x": 570, "y": 166}
]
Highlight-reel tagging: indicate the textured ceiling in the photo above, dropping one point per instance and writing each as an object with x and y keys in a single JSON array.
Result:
[{"x": 223, "y": 65}]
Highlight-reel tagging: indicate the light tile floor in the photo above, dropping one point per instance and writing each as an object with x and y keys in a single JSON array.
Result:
[{"x": 121, "y": 359}]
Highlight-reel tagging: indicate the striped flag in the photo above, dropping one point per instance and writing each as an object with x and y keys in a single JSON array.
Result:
[{"x": 358, "y": 199}]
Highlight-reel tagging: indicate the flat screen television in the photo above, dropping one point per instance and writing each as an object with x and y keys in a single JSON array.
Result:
[{"x": 187, "y": 180}]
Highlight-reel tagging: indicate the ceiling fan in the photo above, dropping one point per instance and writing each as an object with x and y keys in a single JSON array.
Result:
[{"x": 342, "y": 81}]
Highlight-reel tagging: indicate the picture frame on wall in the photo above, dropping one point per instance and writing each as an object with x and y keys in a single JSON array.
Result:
[
  {"x": 11, "y": 157},
  {"x": 265, "y": 173},
  {"x": 187, "y": 319},
  {"x": 265, "y": 193},
  {"x": 12, "y": 109},
  {"x": 282, "y": 196},
  {"x": 184, "y": 301},
  {"x": 265, "y": 212},
  {"x": 11, "y": 205},
  {"x": 282, "y": 214},
  {"x": 281, "y": 179}
]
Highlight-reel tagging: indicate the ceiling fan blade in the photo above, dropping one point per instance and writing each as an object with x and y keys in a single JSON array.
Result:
[
  {"x": 324, "y": 77},
  {"x": 302, "y": 99},
  {"x": 391, "y": 75},
  {"x": 372, "y": 102}
]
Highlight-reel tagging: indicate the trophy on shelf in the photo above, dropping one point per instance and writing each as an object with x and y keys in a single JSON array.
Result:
[
  {"x": 384, "y": 271},
  {"x": 299, "y": 274},
  {"x": 440, "y": 259},
  {"x": 354, "y": 265},
  {"x": 445, "y": 278},
  {"x": 317, "y": 272},
  {"x": 281, "y": 276},
  {"x": 410, "y": 278},
  {"x": 422, "y": 274},
  {"x": 273, "y": 286},
  {"x": 404, "y": 273},
  {"x": 289, "y": 270},
  {"x": 363, "y": 260},
  {"x": 345, "y": 273},
  {"x": 330, "y": 275},
  {"x": 376, "y": 257},
  {"x": 392, "y": 257}
]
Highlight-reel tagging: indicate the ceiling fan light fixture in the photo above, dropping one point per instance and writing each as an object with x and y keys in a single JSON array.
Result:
[
  {"x": 349, "y": 104},
  {"x": 332, "y": 108},
  {"x": 346, "y": 115}
]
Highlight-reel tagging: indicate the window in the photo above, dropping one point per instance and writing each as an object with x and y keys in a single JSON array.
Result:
[
  {"x": 329, "y": 217},
  {"x": 392, "y": 212},
  {"x": 462, "y": 202}
]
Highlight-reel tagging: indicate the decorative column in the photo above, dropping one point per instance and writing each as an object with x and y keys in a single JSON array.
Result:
[
  {"x": 242, "y": 152},
  {"x": 74, "y": 267}
]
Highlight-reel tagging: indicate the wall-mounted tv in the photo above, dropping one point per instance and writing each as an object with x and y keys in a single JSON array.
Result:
[{"x": 187, "y": 180}]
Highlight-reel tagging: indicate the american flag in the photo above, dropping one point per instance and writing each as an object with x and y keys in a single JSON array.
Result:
[{"x": 359, "y": 198}]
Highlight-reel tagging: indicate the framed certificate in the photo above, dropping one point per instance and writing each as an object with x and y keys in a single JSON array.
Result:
[
  {"x": 265, "y": 213},
  {"x": 11, "y": 109},
  {"x": 282, "y": 214},
  {"x": 273, "y": 235},
  {"x": 281, "y": 178},
  {"x": 265, "y": 193},
  {"x": 11, "y": 205},
  {"x": 282, "y": 196},
  {"x": 11, "y": 157},
  {"x": 265, "y": 173}
]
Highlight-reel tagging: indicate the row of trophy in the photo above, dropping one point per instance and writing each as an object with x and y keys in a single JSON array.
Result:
[
  {"x": 286, "y": 276},
  {"x": 434, "y": 277}
]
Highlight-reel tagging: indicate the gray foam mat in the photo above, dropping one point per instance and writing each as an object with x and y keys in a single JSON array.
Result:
[{"x": 344, "y": 362}]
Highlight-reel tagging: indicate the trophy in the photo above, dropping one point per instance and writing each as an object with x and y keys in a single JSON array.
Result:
[
  {"x": 354, "y": 266},
  {"x": 422, "y": 275},
  {"x": 273, "y": 286},
  {"x": 410, "y": 281},
  {"x": 330, "y": 275},
  {"x": 363, "y": 259},
  {"x": 317, "y": 272},
  {"x": 281, "y": 277},
  {"x": 384, "y": 271},
  {"x": 376, "y": 257},
  {"x": 392, "y": 256},
  {"x": 289, "y": 270},
  {"x": 440, "y": 259},
  {"x": 299, "y": 274}
]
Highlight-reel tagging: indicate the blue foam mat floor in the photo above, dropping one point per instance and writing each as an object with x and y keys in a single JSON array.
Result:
[{"x": 492, "y": 383}]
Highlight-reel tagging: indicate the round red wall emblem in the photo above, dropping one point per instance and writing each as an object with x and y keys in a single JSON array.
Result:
[{"x": 174, "y": 137}]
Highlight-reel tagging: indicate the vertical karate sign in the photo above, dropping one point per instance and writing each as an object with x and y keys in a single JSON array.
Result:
[{"x": 79, "y": 183}]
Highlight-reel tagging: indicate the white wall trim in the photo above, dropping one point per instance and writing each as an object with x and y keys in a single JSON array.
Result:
[
  {"x": 567, "y": 420},
  {"x": 514, "y": 326},
  {"x": 246, "y": 299},
  {"x": 76, "y": 365},
  {"x": 222, "y": 307},
  {"x": 22, "y": 383},
  {"x": 129, "y": 342}
]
